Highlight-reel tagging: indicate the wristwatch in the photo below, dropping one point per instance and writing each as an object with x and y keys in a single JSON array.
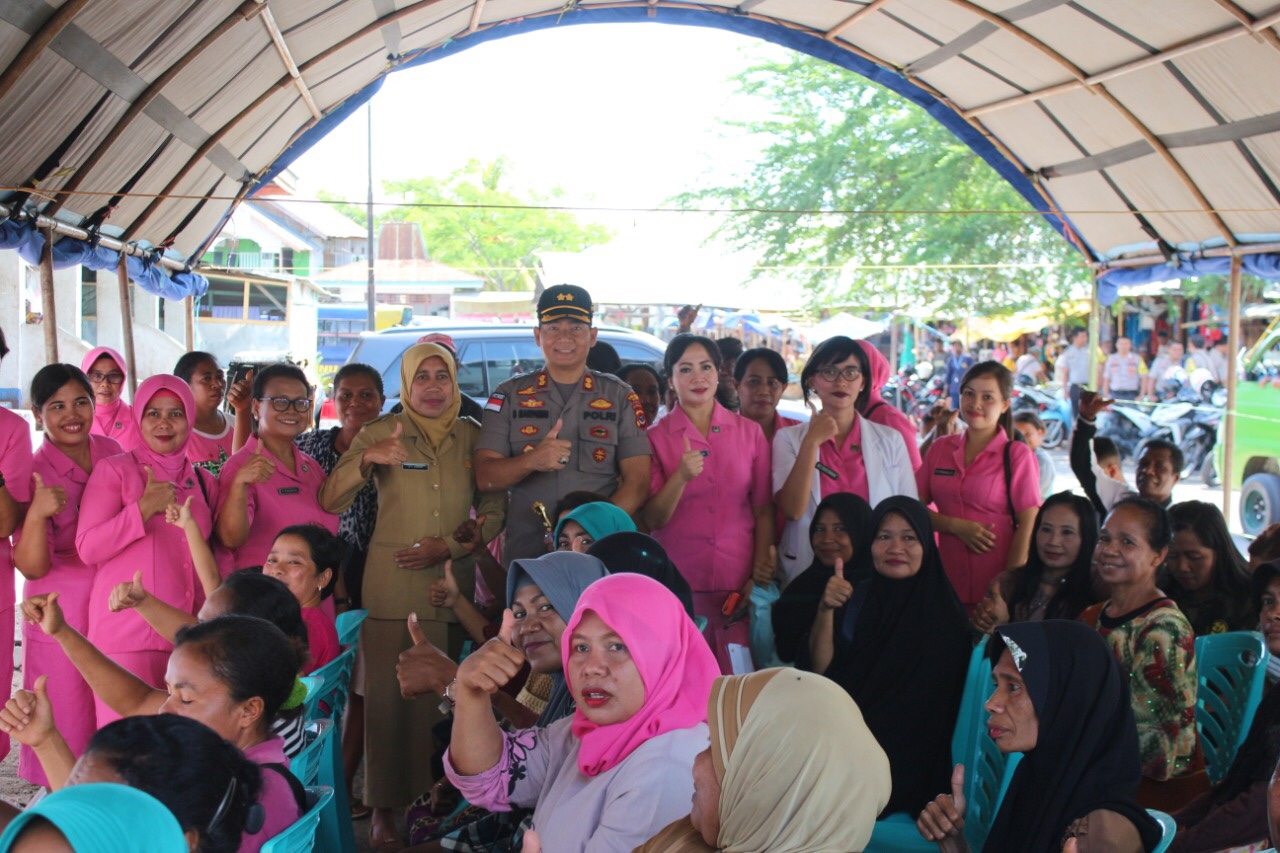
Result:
[{"x": 446, "y": 707}]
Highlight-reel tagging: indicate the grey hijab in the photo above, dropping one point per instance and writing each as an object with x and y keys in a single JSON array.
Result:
[{"x": 562, "y": 576}]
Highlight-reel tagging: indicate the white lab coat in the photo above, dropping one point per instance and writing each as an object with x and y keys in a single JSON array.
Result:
[{"x": 889, "y": 473}]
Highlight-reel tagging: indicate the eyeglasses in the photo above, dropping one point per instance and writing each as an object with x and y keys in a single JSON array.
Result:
[
  {"x": 302, "y": 405},
  {"x": 112, "y": 378},
  {"x": 848, "y": 374},
  {"x": 758, "y": 382},
  {"x": 567, "y": 330}
]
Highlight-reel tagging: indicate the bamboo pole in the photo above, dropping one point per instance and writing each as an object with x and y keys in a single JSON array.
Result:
[
  {"x": 49, "y": 308},
  {"x": 1229, "y": 419},
  {"x": 126, "y": 324},
  {"x": 190, "y": 318}
]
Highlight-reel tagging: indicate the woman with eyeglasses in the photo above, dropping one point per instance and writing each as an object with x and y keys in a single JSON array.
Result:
[
  {"x": 838, "y": 450},
  {"x": 709, "y": 502},
  {"x": 112, "y": 416},
  {"x": 269, "y": 484},
  {"x": 122, "y": 529}
]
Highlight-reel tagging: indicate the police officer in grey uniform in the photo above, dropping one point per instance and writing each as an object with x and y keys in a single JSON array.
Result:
[{"x": 561, "y": 429}]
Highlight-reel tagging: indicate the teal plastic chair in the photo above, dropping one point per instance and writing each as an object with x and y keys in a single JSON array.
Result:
[
  {"x": 335, "y": 685},
  {"x": 988, "y": 771},
  {"x": 1169, "y": 828},
  {"x": 1231, "y": 669},
  {"x": 348, "y": 625},
  {"x": 306, "y": 764},
  {"x": 301, "y": 836},
  {"x": 336, "y": 834}
]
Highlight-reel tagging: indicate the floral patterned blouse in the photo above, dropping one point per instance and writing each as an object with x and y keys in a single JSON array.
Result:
[{"x": 355, "y": 526}]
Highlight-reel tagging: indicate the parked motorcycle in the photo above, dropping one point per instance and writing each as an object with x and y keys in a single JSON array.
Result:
[{"x": 1054, "y": 411}]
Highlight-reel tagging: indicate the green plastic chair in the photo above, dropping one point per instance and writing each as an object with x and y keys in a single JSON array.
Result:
[
  {"x": 1231, "y": 669},
  {"x": 300, "y": 837},
  {"x": 988, "y": 771},
  {"x": 348, "y": 625},
  {"x": 1169, "y": 828}
]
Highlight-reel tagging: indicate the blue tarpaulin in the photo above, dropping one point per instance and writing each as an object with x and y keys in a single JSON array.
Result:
[
  {"x": 69, "y": 252},
  {"x": 1266, "y": 266}
]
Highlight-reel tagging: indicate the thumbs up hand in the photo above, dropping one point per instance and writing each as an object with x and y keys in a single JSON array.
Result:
[
  {"x": 552, "y": 453},
  {"x": 156, "y": 495},
  {"x": 28, "y": 716},
  {"x": 691, "y": 462},
  {"x": 240, "y": 391},
  {"x": 128, "y": 594},
  {"x": 838, "y": 591},
  {"x": 46, "y": 501},
  {"x": 992, "y": 611},
  {"x": 423, "y": 668},
  {"x": 179, "y": 515},
  {"x": 389, "y": 451},
  {"x": 944, "y": 817},
  {"x": 258, "y": 469},
  {"x": 488, "y": 669},
  {"x": 444, "y": 591}
]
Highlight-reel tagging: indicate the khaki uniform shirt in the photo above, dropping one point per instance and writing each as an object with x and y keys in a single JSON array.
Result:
[
  {"x": 429, "y": 495},
  {"x": 602, "y": 420}
]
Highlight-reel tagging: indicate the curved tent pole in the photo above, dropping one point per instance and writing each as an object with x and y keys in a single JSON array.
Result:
[{"x": 49, "y": 30}]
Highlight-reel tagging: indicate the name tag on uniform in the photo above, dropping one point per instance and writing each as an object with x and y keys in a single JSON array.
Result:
[
  {"x": 828, "y": 471},
  {"x": 292, "y": 490},
  {"x": 944, "y": 472},
  {"x": 415, "y": 466}
]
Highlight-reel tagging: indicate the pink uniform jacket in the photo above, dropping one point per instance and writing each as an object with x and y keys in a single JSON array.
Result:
[
  {"x": 286, "y": 499},
  {"x": 16, "y": 464}
]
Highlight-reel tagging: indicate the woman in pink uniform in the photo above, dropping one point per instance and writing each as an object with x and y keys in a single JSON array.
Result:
[
  {"x": 709, "y": 496},
  {"x": 838, "y": 450},
  {"x": 878, "y": 411},
  {"x": 112, "y": 416},
  {"x": 269, "y": 484},
  {"x": 984, "y": 486},
  {"x": 123, "y": 530},
  {"x": 212, "y": 430},
  {"x": 45, "y": 548},
  {"x": 15, "y": 491}
]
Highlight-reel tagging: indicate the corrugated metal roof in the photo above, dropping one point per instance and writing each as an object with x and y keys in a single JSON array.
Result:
[{"x": 1139, "y": 126}]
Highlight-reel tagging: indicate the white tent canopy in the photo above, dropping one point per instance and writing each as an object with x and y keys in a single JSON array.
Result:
[
  {"x": 847, "y": 325},
  {"x": 1140, "y": 126}
]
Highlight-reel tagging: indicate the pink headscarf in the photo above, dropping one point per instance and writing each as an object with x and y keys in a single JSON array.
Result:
[
  {"x": 167, "y": 466},
  {"x": 674, "y": 661},
  {"x": 879, "y": 367},
  {"x": 105, "y": 416}
]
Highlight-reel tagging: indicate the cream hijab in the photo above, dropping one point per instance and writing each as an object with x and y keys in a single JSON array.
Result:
[
  {"x": 433, "y": 430},
  {"x": 799, "y": 770}
]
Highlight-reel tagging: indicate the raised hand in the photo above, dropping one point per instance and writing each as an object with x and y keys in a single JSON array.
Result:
[
  {"x": 822, "y": 426},
  {"x": 691, "y": 462},
  {"x": 976, "y": 536},
  {"x": 44, "y": 610},
  {"x": 944, "y": 817},
  {"x": 179, "y": 515},
  {"x": 944, "y": 418},
  {"x": 28, "y": 716},
  {"x": 766, "y": 569},
  {"x": 389, "y": 451},
  {"x": 488, "y": 669},
  {"x": 241, "y": 391},
  {"x": 423, "y": 668},
  {"x": 156, "y": 495},
  {"x": 258, "y": 469},
  {"x": 470, "y": 533},
  {"x": 552, "y": 453},
  {"x": 992, "y": 611},
  {"x": 1092, "y": 404},
  {"x": 444, "y": 591},
  {"x": 838, "y": 590},
  {"x": 128, "y": 594},
  {"x": 46, "y": 501}
]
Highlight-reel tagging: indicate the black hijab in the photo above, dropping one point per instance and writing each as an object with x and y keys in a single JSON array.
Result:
[
  {"x": 794, "y": 612},
  {"x": 907, "y": 663},
  {"x": 639, "y": 554},
  {"x": 1086, "y": 757},
  {"x": 1257, "y": 756}
]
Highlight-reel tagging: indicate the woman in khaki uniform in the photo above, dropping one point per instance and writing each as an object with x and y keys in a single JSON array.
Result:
[{"x": 420, "y": 461}]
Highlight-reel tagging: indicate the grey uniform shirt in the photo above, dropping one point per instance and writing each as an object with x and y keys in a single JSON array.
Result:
[{"x": 602, "y": 421}]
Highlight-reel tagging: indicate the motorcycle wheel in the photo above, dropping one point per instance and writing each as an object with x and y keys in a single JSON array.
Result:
[
  {"x": 1194, "y": 459},
  {"x": 1053, "y": 434},
  {"x": 1209, "y": 472}
]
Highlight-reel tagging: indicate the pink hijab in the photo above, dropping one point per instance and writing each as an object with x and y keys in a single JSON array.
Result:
[
  {"x": 104, "y": 417},
  {"x": 674, "y": 661},
  {"x": 879, "y": 367},
  {"x": 167, "y": 466}
]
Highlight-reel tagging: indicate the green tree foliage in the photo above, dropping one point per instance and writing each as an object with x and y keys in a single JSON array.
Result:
[
  {"x": 487, "y": 227},
  {"x": 832, "y": 142}
]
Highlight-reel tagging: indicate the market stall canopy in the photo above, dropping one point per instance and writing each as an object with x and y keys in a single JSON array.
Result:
[
  {"x": 1141, "y": 129},
  {"x": 844, "y": 324},
  {"x": 1014, "y": 326}
]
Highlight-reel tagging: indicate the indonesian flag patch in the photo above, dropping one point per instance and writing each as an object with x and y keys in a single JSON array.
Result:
[{"x": 495, "y": 403}]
